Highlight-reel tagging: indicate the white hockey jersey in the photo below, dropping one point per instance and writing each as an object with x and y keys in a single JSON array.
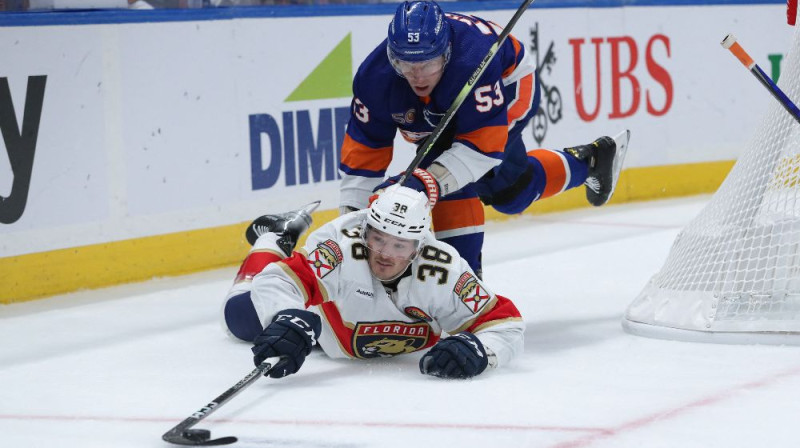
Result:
[{"x": 361, "y": 317}]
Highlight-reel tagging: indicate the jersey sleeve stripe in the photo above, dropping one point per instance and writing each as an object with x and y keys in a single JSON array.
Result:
[
  {"x": 342, "y": 332},
  {"x": 296, "y": 268},
  {"x": 255, "y": 263},
  {"x": 357, "y": 157},
  {"x": 501, "y": 311},
  {"x": 472, "y": 322},
  {"x": 555, "y": 169},
  {"x": 518, "y": 49},
  {"x": 493, "y": 323},
  {"x": 523, "y": 103},
  {"x": 456, "y": 214},
  {"x": 296, "y": 279},
  {"x": 490, "y": 140}
]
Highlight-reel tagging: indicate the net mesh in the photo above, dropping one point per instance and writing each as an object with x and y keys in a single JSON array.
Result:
[{"x": 736, "y": 266}]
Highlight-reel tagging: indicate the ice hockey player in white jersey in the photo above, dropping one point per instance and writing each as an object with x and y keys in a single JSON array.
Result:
[{"x": 371, "y": 283}]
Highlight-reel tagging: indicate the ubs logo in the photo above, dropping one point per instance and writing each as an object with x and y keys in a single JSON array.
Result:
[{"x": 20, "y": 143}]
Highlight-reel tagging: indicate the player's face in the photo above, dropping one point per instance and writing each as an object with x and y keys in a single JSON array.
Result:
[
  {"x": 422, "y": 76},
  {"x": 389, "y": 256}
]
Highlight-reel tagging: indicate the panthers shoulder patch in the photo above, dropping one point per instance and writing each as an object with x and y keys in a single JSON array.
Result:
[
  {"x": 325, "y": 258},
  {"x": 471, "y": 292}
]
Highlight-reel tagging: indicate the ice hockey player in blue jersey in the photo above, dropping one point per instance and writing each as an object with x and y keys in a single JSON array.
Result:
[{"x": 410, "y": 80}]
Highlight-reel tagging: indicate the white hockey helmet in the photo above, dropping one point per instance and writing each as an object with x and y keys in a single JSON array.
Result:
[{"x": 401, "y": 212}]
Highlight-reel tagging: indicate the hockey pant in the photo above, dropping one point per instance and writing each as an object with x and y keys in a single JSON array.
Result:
[
  {"x": 458, "y": 221},
  {"x": 239, "y": 314}
]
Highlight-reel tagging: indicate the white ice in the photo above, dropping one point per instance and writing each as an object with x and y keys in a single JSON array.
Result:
[{"x": 119, "y": 367}]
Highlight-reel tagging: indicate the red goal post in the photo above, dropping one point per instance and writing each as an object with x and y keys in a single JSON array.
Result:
[{"x": 791, "y": 11}]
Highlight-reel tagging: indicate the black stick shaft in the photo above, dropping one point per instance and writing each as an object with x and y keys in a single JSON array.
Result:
[
  {"x": 205, "y": 411},
  {"x": 462, "y": 95}
]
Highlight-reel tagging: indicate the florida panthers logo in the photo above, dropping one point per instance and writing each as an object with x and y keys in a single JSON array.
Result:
[
  {"x": 388, "y": 347},
  {"x": 471, "y": 292},
  {"x": 384, "y": 339},
  {"x": 325, "y": 258}
]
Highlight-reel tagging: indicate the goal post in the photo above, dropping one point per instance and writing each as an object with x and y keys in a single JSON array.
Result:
[{"x": 733, "y": 273}]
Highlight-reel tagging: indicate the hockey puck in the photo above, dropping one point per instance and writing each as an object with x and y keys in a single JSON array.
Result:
[{"x": 197, "y": 435}]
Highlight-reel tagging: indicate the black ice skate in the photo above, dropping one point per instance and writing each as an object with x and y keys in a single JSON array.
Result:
[
  {"x": 604, "y": 156},
  {"x": 289, "y": 226}
]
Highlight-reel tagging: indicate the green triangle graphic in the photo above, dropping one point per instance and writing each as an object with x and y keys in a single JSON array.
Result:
[{"x": 333, "y": 77}]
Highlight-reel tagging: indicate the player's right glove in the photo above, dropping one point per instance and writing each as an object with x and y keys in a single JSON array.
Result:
[
  {"x": 459, "y": 356},
  {"x": 291, "y": 335}
]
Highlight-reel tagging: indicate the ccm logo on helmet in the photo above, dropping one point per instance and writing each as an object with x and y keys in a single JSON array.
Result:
[{"x": 393, "y": 222}]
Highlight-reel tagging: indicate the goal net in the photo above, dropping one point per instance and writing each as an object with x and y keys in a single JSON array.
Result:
[{"x": 733, "y": 273}]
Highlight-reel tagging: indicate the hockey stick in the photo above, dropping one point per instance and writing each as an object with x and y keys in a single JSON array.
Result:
[
  {"x": 181, "y": 434},
  {"x": 730, "y": 43},
  {"x": 462, "y": 95}
]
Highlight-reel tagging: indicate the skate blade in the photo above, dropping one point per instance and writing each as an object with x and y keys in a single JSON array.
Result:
[
  {"x": 621, "y": 141},
  {"x": 309, "y": 208}
]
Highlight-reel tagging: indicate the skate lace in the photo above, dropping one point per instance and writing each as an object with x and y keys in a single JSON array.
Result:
[{"x": 594, "y": 184}]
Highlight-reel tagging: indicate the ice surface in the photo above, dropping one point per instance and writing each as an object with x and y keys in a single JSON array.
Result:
[{"x": 119, "y": 367}]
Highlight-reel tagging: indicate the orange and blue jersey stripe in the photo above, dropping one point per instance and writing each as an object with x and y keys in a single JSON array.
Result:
[
  {"x": 523, "y": 102},
  {"x": 362, "y": 160}
]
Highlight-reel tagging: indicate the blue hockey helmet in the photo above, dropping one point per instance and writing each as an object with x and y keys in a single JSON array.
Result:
[{"x": 418, "y": 32}]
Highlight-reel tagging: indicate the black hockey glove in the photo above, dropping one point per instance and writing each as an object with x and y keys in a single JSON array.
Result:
[
  {"x": 459, "y": 356},
  {"x": 291, "y": 335}
]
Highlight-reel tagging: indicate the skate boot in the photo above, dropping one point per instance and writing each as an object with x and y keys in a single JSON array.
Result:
[
  {"x": 604, "y": 156},
  {"x": 289, "y": 226}
]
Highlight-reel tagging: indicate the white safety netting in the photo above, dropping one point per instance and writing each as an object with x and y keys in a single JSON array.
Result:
[{"x": 733, "y": 274}]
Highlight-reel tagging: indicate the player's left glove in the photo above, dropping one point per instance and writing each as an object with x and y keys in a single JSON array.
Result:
[
  {"x": 459, "y": 356},
  {"x": 420, "y": 180}
]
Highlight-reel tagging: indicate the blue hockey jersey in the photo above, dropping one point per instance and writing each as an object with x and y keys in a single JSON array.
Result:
[{"x": 384, "y": 102}]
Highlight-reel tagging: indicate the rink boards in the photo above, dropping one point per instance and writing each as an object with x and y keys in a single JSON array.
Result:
[{"x": 156, "y": 134}]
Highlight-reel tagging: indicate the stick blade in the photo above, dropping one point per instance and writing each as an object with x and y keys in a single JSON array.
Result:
[{"x": 195, "y": 437}]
